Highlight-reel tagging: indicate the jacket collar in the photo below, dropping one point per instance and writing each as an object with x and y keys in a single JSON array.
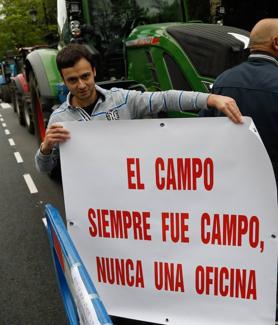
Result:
[
  {"x": 263, "y": 55},
  {"x": 101, "y": 91}
]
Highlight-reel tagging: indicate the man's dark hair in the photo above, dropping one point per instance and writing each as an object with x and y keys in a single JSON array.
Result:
[{"x": 71, "y": 54}]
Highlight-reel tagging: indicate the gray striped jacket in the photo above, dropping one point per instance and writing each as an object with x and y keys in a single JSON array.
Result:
[{"x": 121, "y": 104}]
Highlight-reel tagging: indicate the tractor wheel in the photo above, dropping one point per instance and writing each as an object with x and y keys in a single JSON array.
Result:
[
  {"x": 6, "y": 94},
  {"x": 28, "y": 116},
  {"x": 19, "y": 110},
  {"x": 36, "y": 109},
  {"x": 13, "y": 96}
]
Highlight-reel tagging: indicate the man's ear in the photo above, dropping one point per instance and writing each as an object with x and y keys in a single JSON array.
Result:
[
  {"x": 95, "y": 72},
  {"x": 275, "y": 43}
]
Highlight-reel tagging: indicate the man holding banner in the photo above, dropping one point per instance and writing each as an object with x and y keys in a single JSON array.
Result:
[
  {"x": 165, "y": 229},
  {"x": 87, "y": 101}
]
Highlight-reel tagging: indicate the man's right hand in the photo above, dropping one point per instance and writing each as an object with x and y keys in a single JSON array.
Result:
[{"x": 55, "y": 133}]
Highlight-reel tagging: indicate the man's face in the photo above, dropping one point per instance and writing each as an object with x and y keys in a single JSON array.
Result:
[{"x": 80, "y": 80}]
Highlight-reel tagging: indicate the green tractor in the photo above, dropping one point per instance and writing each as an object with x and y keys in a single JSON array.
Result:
[{"x": 156, "y": 44}]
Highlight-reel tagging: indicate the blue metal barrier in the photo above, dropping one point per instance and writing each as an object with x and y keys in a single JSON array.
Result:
[{"x": 81, "y": 300}]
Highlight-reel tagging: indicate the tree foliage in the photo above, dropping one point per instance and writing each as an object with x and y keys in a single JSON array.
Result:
[{"x": 17, "y": 28}]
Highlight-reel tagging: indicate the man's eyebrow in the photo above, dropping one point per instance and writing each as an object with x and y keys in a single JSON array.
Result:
[
  {"x": 72, "y": 78},
  {"x": 86, "y": 73},
  {"x": 80, "y": 76}
]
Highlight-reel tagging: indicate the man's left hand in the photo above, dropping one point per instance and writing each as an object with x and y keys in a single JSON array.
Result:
[{"x": 227, "y": 106}]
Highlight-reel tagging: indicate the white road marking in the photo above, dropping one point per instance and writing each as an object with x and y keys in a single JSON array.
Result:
[
  {"x": 1, "y": 119},
  {"x": 7, "y": 131},
  {"x": 30, "y": 183},
  {"x": 11, "y": 141},
  {"x": 18, "y": 157},
  {"x": 5, "y": 105},
  {"x": 0, "y": 115},
  {"x": 4, "y": 125}
]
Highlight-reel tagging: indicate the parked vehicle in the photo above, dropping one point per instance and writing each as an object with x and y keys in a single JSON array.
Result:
[
  {"x": 151, "y": 43},
  {"x": 21, "y": 90},
  {"x": 8, "y": 69}
]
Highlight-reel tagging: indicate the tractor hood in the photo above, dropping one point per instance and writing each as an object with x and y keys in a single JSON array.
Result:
[{"x": 211, "y": 48}]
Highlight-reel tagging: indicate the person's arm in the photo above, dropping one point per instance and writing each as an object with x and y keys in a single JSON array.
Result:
[
  {"x": 47, "y": 155},
  {"x": 225, "y": 105},
  {"x": 46, "y": 163},
  {"x": 147, "y": 103}
]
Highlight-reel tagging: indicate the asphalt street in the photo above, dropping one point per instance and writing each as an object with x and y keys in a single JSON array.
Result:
[{"x": 29, "y": 292}]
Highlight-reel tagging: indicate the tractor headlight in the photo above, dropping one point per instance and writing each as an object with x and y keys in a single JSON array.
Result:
[{"x": 75, "y": 28}]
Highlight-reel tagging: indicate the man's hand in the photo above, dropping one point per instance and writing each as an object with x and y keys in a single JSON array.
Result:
[
  {"x": 55, "y": 133},
  {"x": 227, "y": 106}
]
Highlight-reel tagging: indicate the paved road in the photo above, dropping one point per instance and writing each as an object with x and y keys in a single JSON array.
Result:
[{"x": 28, "y": 289}]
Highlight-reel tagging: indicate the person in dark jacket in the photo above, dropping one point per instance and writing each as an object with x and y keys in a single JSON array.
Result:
[{"x": 254, "y": 86}]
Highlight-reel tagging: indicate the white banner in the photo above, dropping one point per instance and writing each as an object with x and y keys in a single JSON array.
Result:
[{"x": 175, "y": 220}]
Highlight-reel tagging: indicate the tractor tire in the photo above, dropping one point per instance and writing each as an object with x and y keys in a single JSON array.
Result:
[
  {"x": 13, "y": 96},
  {"x": 6, "y": 95},
  {"x": 17, "y": 106},
  {"x": 28, "y": 115},
  {"x": 19, "y": 110},
  {"x": 36, "y": 109}
]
